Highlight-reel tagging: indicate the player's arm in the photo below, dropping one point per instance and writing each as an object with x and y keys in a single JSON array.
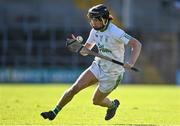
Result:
[
  {"x": 88, "y": 46},
  {"x": 135, "y": 51},
  {"x": 90, "y": 42}
]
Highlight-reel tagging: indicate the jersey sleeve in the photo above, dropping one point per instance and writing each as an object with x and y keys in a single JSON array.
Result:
[
  {"x": 91, "y": 39},
  {"x": 121, "y": 36},
  {"x": 125, "y": 38}
]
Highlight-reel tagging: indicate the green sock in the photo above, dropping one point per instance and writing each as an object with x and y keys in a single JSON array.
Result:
[
  {"x": 112, "y": 106},
  {"x": 56, "y": 110}
]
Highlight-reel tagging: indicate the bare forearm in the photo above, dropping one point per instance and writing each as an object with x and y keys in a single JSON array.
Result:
[
  {"x": 88, "y": 46},
  {"x": 135, "y": 51}
]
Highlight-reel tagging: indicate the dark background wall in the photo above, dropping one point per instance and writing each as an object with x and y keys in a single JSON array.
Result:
[{"x": 33, "y": 34}]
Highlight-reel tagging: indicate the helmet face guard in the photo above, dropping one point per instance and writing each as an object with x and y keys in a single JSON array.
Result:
[
  {"x": 104, "y": 23},
  {"x": 101, "y": 13}
]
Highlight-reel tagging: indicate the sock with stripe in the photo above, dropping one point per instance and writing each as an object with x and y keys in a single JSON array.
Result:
[
  {"x": 56, "y": 110},
  {"x": 112, "y": 105}
]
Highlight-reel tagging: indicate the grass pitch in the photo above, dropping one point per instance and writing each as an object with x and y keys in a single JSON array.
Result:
[{"x": 140, "y": 106}]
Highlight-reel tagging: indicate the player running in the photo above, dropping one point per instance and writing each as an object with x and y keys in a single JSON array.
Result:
[{"x": 110, "y": 41}]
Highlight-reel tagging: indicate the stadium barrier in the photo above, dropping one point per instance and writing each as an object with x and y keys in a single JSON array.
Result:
[
  {"x": 40, "y": 75},
  {"x": 178, "y": 78}
]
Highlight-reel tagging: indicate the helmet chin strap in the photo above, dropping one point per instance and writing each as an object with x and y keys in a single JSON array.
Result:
[
  {"x": 104, "y": 21},
  {"x": 105, "y": 24}
]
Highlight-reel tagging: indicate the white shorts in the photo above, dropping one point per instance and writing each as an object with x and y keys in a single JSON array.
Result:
[{"x": 107, "y": 82}]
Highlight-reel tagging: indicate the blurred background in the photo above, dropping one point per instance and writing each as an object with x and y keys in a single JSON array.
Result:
[{"x": 33, "y": 35}]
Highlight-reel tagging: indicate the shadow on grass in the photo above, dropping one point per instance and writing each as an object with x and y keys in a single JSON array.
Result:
[
  {"x": 119, "y": 125},
  {"x": 133, "y": 124}
]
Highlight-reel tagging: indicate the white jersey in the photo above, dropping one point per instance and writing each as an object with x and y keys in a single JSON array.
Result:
[{"x": 110, "y": 43}]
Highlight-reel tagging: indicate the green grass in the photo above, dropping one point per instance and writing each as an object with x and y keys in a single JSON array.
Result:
[{"x": 140, "y": 105}]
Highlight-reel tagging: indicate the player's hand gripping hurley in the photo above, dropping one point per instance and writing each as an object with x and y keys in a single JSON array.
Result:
[{"x": 75, "y": 46}]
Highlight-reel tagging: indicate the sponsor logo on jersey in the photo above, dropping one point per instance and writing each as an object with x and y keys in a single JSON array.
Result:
[{"x": 103, "y": 49}]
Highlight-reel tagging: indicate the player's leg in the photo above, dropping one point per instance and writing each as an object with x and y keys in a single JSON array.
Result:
[
  {"x": 86, "y": 79},
  {"x": 101, "y": 99}
]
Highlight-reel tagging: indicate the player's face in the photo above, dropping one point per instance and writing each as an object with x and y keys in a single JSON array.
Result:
[{"x": 96, "y": 23}]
